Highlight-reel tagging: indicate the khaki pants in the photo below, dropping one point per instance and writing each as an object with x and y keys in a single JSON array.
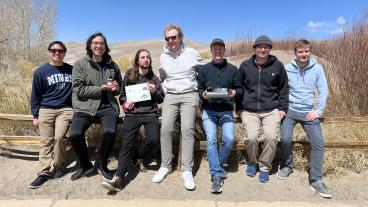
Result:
[
  {"x": 266, "y": 124},
  {"x": 186, "y": 105},
  {"x": 53, "y": 125}
]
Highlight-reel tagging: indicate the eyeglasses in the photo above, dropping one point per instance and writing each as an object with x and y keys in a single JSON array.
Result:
[
  {"x": 98, "y": 43},
  {"x": 60, "y": 51},
  {"x": 173, "y": 38}
]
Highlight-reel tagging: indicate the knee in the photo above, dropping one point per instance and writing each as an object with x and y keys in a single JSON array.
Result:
[
  {"x": 252, "y": 138},
  {"x": 75, "y": 135},
  {"x": 109, "y": 132},
  {"x": 211, "y": 143},
  {"x": 269, "y": 135},
  {"x": 228, "y": 140},
  {"x": 151, "y": 141}
]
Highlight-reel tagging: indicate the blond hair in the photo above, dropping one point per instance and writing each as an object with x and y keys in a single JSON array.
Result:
[
  {"x": 176, "y": 27},
  {"x": 302, "y": 43}
]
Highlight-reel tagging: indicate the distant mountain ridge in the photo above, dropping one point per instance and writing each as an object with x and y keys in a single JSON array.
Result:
[{"x": 77, "y": 50}]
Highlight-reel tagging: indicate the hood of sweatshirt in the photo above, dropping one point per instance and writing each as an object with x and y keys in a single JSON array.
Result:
[
  {"x": 176, "y": 53},
  {"x": 311, "y": 63}
]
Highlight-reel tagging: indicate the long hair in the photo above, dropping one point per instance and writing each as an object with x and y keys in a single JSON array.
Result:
[
  {"x": 133, "y": 72},
  {"x": 89, "y": 44}
]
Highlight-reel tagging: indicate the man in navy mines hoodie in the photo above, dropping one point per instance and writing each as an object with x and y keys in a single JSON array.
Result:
[
  {"x": 264, "y": 105},
  {"x": 305, "y": 78},
  {"x": 51, "y": 107},
  {"x": 214, "y": 75}
]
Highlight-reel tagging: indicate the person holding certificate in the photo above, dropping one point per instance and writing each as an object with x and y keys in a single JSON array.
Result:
[{"x": 139, "y": 111}]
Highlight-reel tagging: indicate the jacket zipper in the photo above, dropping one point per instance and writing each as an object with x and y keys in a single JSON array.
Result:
[{"x": 259, "y": 86}]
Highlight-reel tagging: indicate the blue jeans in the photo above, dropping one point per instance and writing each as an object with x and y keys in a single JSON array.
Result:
[
  {"x": 217, "y": 157},
  {"x": 314, "y": 132}
]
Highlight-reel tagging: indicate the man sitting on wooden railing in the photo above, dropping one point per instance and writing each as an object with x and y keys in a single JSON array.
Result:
[{"x": 305, "y": 76}]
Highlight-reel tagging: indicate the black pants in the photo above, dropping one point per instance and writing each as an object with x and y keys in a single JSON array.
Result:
[
  {"x": 80, "y": 123},
  {"x": 131, "y": 126}
]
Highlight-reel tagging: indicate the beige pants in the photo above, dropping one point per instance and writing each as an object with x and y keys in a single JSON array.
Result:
[
  {"x": 186, "y": 105},
  {"x": 261, "y": 127},
  {"x": 53, "y": 125}
]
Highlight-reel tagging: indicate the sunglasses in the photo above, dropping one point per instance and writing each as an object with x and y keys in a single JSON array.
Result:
[
  {"x": 60, "y": 51},
  {"x": 173, "y": 38}
]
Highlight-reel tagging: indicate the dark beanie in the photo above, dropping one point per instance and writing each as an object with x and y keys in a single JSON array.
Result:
[{"x": 262, "y": 40}]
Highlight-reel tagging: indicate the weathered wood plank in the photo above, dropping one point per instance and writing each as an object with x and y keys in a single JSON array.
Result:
[{"x": 200, "y": 145}]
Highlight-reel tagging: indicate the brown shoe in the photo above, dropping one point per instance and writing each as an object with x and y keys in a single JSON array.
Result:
[{"x": 115, "y": 184}]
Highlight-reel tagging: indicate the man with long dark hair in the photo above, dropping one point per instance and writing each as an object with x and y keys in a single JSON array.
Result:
[
  {"x": 96, "y": 82},
  {"x": 137, "y": 114},
  {"x": 51, "y": 107}
]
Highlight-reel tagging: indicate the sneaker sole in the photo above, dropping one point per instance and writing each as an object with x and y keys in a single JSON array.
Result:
[
  {"x": 34, "y": 187},
  {"x": 160, "y": 180},
  {"x": 110, "y": 187},
  {"x": 216, "y": 192},
  {"x": 282, "y": 178},
  {"x": 321, "y": 194}
]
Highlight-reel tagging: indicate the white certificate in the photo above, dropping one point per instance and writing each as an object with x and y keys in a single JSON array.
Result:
[{"x": 138, "y": 92}]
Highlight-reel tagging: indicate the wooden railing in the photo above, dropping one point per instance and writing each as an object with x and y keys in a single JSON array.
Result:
[{"x": 200, "y": 145}]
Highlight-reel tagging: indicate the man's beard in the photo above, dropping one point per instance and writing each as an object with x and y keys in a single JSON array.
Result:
[{"x": 143, "y": 67}]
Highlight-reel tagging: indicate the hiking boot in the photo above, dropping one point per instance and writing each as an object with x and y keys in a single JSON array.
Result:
[
  {"x": 284, "y": 173},
  {"x": 160, "y": 174},
  {"x": 321, "y": 189},
  {"x": 59, "y": 172},
  {"x": 115, "y": 184},
  {"x": 82, "y": 173},
  {"x": 188, "y": 180},
  {"x": 40, "y": 180},
  {"x": 263, "y": 177},
  {"x": 251, "y": 170},
  {"x": 139, "y": 166},
  {"x": 217, "y": 183},
  {"x": 106, "y": 173}
]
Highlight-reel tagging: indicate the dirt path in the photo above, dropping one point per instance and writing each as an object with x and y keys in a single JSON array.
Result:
[{"x": 19, "y": 169}]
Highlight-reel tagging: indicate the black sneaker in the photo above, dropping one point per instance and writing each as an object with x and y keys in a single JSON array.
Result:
[
  {"x": 217, "y": 183},
  {"x": 59, "y": 172},
  {"x": 113, "y": 185},
  {"x": 81, "y": 173},
  {"x": 106, "y": 173},
  {"x": 40, "y": 180},
  {"x": 139, "y": 166}
]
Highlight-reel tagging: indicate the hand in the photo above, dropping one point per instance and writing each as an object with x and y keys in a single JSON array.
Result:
[
  {"x": 36, "y": 123},
  {"x": 114, "y": 86},
  {"x": 151, "y": 87},
  {"x": 282, "y": 114},
  {"x": 128, "y": 106},
  {"x": 106, "y": 87},
  {"x": 239, "y": 112},
  {"x": 312, "y": 116},
  {"x": 232, "y": 93},
  {"x": 205, "y": 95}
]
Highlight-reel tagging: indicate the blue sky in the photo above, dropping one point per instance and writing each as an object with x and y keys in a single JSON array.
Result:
[{"x": 203, "y": 20}]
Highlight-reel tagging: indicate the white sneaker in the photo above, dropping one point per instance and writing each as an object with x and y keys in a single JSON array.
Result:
[
  {"x": 160, "y": 174},
  {"x": 188, "y": 180}
]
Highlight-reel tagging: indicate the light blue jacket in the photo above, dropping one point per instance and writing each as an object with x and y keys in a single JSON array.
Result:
[{"x": 303, "y": 84}]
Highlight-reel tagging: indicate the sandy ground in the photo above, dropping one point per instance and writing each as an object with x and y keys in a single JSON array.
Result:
[{"x": 19, "y": 168}]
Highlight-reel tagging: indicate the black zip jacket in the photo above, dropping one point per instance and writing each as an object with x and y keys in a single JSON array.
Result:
[
  {"x": 265, "y": 89},
  {"x": 223, "y": 75}
]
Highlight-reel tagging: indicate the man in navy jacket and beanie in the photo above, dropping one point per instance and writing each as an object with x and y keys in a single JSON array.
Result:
[{"x": 264, "y": 105}]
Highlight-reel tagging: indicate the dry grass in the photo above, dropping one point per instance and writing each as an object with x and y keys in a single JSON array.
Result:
[{"x": 344, "y": 58}]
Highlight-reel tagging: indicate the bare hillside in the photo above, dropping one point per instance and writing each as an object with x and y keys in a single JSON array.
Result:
[{"x": 77, "y": 50}]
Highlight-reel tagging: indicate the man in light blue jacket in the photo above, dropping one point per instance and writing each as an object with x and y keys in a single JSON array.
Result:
[{"x": 305, "y": 77}]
